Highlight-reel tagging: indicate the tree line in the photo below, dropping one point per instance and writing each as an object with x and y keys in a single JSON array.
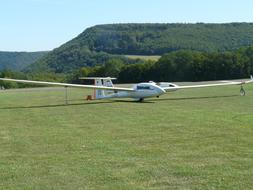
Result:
[{"x": 178, "y": 66}]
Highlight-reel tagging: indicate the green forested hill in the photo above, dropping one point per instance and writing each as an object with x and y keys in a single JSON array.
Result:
[
  {"x": 157, "y": 39},
  {"x": 66, "y": 60},
  {"x": 96, "y": 45},
  {"x": 17, "y": 61}
]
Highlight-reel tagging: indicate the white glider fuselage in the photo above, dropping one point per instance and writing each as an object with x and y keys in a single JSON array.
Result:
[{"x": 141, "y": 90}]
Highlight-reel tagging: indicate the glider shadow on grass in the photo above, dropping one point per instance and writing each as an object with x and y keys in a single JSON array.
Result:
[
  {"x": 94, "y": 102},
  {"x": 57, "y": 105},
  {"x": 195, "y": 98}
]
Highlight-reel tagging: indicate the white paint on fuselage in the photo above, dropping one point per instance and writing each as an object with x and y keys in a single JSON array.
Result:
[{"x": 142, "y": 90}]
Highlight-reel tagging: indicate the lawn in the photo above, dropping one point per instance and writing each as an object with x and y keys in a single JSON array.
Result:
[{"x": 189, "y": 139}]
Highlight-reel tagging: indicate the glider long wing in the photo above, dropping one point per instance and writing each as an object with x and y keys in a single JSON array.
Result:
[
  {"x": 67, "y": 85},
  {"x": 209, "y": 85}
]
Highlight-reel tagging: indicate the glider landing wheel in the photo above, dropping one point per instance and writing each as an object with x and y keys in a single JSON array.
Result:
[
  {"x": 141, "y": 99},
  {"x": 242, "y": 91}
]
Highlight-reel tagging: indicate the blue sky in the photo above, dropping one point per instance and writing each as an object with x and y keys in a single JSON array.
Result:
[{"x": 33, "y": 25}]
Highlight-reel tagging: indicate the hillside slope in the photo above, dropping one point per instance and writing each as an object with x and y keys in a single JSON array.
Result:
[
  {"x": 95, "y": 44},
  {"x": 157, "y": 39},
  {"x": 16, "y": 61}
]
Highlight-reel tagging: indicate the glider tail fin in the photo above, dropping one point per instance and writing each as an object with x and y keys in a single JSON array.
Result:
[
  {"x": 250, "y": 81},
  {"x": 98, "y": 94},
  {"x": 100, "y": 81},
  {"x": 101, "y": 94}
]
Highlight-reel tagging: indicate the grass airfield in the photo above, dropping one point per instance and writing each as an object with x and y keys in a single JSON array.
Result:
[{"x": 189, "y": 139}]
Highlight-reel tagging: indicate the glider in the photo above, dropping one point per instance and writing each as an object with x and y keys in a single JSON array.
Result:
[{"x": 104, "y": 88}]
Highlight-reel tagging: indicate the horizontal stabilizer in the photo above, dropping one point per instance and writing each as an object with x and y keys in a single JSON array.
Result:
[{"x": 97, "y": 78}]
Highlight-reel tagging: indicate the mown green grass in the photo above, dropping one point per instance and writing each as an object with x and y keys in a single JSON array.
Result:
[{"x": 191, "y": 139}]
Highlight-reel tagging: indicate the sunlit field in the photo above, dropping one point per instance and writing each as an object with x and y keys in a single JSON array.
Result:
[
  {"x": 144, "y": 57},
  {"x": 189, "y": 139}
]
